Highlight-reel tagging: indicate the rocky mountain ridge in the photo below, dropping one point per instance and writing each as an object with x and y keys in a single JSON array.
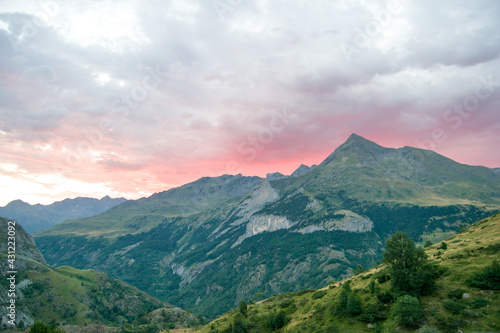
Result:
[
  {"x": 38, "y": 217},
  {"x": 223, "y": 239}
]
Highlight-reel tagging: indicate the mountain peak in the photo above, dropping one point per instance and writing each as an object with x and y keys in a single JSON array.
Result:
[
  {"x": 358, "y": 145},
  {"x": 358, "y": 140}
]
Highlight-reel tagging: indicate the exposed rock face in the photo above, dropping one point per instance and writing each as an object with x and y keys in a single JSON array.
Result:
[
  {"x": 262, "y": 195},
  {"x": 28, "y": 257},
  {"x": 190, "y": 273},
  {"x": 25, "y": 245},
  {"x": 262, "y": 223},
  {"x": 302, "y": 170},
  {"x": 350, "y": 221}
]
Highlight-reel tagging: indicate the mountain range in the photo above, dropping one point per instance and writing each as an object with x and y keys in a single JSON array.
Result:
[
  {"x": 209, "y": 244},
  {"x": 37, "y": 217}
]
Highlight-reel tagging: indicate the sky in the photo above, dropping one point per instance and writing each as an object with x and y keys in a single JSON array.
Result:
[{"x": 129, "y": 98}]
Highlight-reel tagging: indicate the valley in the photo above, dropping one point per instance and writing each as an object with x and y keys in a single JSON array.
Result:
[{"x": 224, "y": 239}]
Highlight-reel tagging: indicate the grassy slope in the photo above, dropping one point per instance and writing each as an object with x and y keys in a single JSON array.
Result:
[
  {"x": 467, "y": 253},
  {"x": 66, "y": 295}
]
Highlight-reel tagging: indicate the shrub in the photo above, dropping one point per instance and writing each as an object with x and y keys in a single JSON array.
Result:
[
  {"x": 384, "y": 277},
  {"x": 385, "y": 297},
  {"x": 373, "y": 313},
  {"x": 243, "y": 308},
  {"x": 343, "y": 296},
  {"x": 428, "y": 329},
  {"x": 279, "y": 320},
  {"x": 488, "y": 278},
  {"x": 443, "y": 246},
  {"x": 453, "y": 307},
  {"x": 409, "y": 311},
  {"x": 353, "y": 305},
  {"x": 479, "y": 303},
  {"x": 373, "y": 287},
  {"x": 239, "y": 326},
  {"x": 41, "y": 327},
  {"x": 286, "y": 303},
  {"x": 428, "y": 243},
  {"x": 456, "y": 294},
  {"x": 319, "y": 294}
]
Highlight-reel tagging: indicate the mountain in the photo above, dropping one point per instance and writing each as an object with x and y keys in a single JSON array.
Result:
[
  {"x": 456, "y": 305},
  {"x": 35, "y": 218},
  {"x": 68, "y": 296},
  {"x": 211, "y": 243}
]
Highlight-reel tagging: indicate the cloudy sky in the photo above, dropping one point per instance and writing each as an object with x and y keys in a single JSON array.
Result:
[{"x": 128, "y": 98}]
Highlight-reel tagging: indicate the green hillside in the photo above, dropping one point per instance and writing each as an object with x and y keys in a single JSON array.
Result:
[
  {"x": 461, "y": 301},
  {"x": 68, "y": 296}
]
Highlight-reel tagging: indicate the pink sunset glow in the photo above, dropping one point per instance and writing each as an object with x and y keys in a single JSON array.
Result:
[{"x": 144, "y": 97}]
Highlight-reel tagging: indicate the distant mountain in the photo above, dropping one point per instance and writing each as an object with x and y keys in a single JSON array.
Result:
[
  {"x": 68, "y": 296},
  {"x": 455, "y": 306},
  {"x": 35, "y": 218},
  {"x": 211, "y": 243}
]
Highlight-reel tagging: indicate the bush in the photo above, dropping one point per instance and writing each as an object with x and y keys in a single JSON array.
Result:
[
  {"x": 454, "y": 307},
  {"x": 373, "y": 313},
  {"x": 409, "y": 311},
  {"x": 286, "y": 303},
  {"x": 456, "y": 294},
  {"x": 279, "y": 320},
  {"x": 239, "y": 326},
  {"x": 319, "y": 294},
  {"x": 353, "y": 305},
  {"x": 428, "y": 329},
  {"x": 373, "y": 287},
  {"x": 443, "y": 246},
  {"x": 243, "y": 308},
  {"x": 479, "y": 303},
  {"x": 488, "y": 278},
  {"x": 385, "y": 297},
  {"x": 384, "y": 277},
  {"x": 428, "y": 243}
]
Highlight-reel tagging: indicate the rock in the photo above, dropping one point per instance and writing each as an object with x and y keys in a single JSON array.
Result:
[
  {"x": 371, "y": 326},
  {"x": 465, "y": 296}
]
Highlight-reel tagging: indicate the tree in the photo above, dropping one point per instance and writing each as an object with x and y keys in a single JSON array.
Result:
[
  {"x": 353, "y": 305},
  {"x": 243, "y": 308},
  {"x": 373, "y": 287},
  {"x": 410, "y": 272},
  {"x": 279, "y": 320},
  {"x": 240, "y": 326},
  {"x": 443, "y": 246},
  {"x": 343, "y": 297},
  {"x": 428, "y": 243},
  {"x": 408, "y": 309}
]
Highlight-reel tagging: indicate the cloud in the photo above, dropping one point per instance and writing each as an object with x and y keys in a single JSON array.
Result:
[{"x": 78, "y": 97}]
